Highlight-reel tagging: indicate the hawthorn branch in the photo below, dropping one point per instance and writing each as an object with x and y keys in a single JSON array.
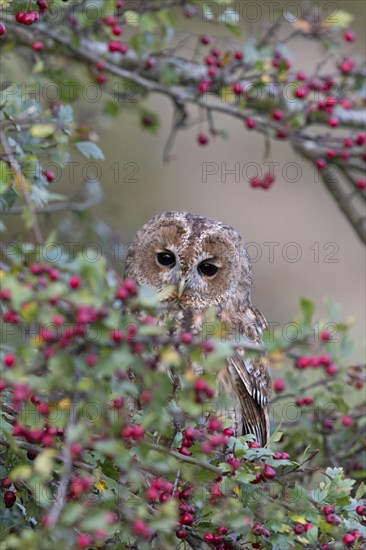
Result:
[
  {"x": 129, "y": 67},
  {"x": 183, "y": 458}
]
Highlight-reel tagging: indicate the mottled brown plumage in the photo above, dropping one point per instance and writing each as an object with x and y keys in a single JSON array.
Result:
[{"x": 209, "y": 266}]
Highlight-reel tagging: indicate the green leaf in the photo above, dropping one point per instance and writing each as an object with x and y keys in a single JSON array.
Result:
[
  {"x": 340, "y": 19},
  {"x": 90, "y": 150},
  {"x": 42, "y": 130},
  {"x": 360, "y": 491},
  {"x": 307, "y": 309}
]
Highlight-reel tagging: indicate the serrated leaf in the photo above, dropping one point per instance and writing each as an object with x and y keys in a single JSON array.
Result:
[
  {"x": 90, "y": 150},
  {"x": 360, "y": 491}
]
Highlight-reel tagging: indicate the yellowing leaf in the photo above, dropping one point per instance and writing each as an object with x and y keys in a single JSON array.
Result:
[
  {"x": 22, "y": 472},
  {"x": 299, "y": 519},
  {"x": 43, "y": 464},
  {"x": 238, "y": 491},
  {"x": 170, "y": 356},
  {"x": 276, "y": 357},
  {"x": 64, "y": 404},
  {"x": 29, "y": 312},
  {"x": 101, "y": 485},
  {"x": 131, "y": 17},
  {"x": 284, "y": 528},
  {"x": 42, "y": 130},
  {"x": 36, "y": 341},
  {"x": 338, "y": 19}
]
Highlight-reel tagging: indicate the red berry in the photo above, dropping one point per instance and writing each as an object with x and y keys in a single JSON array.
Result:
[
  {"x": 250, "y": 123},
  {"x": 99, "y": 65},
  {"x": 253, "y": 445},
  {"x": 37, "y": 46},
  {"x": 181, "y": 534},
  {"x": 150, "y": 63},
  {"x": 110, "y": 20},
  {"x": 5, "y": 484},
  {"x": 83, "y": 540},
  {"x": 255, "y": 182},
  {"x": 208, "y": 537},
  {"x": 205, "y": 39},
  {"x": 2, "y": 29},
  {"x": 209, "y": 60},
  {"x": 277, "y": 114},
  {"x": 74, "y": 281},
  {"x": 324, "y": 335},
  {"x": 5, "y": 294},
  {"x": 269, "y": 472},
  {"x": 346, "y": 66},
  {"x": 361, "y": 138},
  {"x": 186, "y": 338},
  {"x": 349, "y": 36},
  {"x": 49, "y": 175},
  {"x": 238, "y": 55},
  {"x": 9, "y": 359},
  {"x": 331, "y": 153},
  {"x": 349, "y": 539},
  {"x": 204, "y": 86},
  {"x": 101, "y": 78},
  {"x": 278, "y": 385},
  {"x": 331, "y": 370},
  {"x": 361, "y": 183},
  {"x": 298, "y": 529},
  {"x": 307, "y": 400},
  {"x": 333, "y": 121},
  {"x": 228, "y": 432},
  {"x": 19, "y": 16},
  {"x": 360, "y": 509},
  {"x": 187, "y": 519},
  {"x": 215, "y": 52},
  {"x": 346, "y": 421},
  {"x": 257, "y": 530},
  {"x": 320, "y": 164},
  {"x": 301, "y": 75},
  {"x": 301, "y": 92},
  {"x": 9, "y": 499},
  {"x": 332, "y": 519},
  {"x": 328, "y": 510},
  {"x": 202, "y": 139},
  {"x": 184, "y": 451},
  {"x": 237, "y": 88},
  {"x": 116, "y": 30}
]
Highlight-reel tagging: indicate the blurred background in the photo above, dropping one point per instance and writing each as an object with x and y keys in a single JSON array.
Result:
[{"x": 315, "y": 252}]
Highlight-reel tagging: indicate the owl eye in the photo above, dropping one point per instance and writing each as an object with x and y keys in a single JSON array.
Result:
[
  {"x": 208, "y": 269},
  {"x": 166, "y": 258}
]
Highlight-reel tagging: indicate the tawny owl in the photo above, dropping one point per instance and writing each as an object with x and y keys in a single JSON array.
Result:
[{"x": 206, "y": 264}]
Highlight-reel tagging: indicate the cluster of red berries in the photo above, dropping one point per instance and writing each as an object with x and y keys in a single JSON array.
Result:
[
  {"x": 264, "y": 183},
  {"x": 132, "y": 432},
  {"x": 126, "y": 289},
  {"x": 159, "y": 490},
  {"x": 202, "y": 390},
  {"x": 315, "y": 361},
  {"x": 300, "y": 528},
  {"x": 217, "y": 539},
  {"x": 43, "y": 436}
]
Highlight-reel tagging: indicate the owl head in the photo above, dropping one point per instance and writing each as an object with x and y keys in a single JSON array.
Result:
[{"x": 203, "y": 261}]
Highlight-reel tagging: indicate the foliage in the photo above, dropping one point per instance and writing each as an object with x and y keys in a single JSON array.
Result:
[
  {"x": 116, "y": 54},
  {"x": 113, "y": 439},
  {"x": 112, "y": 433}
]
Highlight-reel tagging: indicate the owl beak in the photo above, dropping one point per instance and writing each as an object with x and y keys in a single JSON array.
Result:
[{"x": 181, "y": 286}]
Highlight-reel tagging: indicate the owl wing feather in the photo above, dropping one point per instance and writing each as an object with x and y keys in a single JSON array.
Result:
[{"x": 247, "y": 380}]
